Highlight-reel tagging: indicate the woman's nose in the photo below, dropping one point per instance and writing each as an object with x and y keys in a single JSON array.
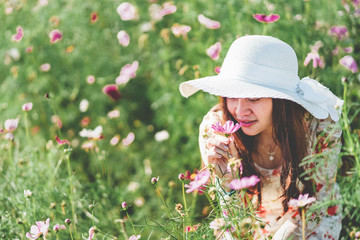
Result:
[{"x": 242, "y": 108}]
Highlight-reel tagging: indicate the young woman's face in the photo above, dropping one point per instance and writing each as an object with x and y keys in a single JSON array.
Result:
[{"x": 255, "y": 114}]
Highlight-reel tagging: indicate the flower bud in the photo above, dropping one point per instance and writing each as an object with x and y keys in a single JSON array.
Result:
[
  {"x": 181, "y": 177},
  {"x": 154, "y": 180},
  {"x": 67, "y": 221},
  {"x": 124, "y": 205}
]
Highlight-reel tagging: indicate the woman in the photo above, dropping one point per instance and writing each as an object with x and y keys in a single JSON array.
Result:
[{"x": 285, "y": 122}]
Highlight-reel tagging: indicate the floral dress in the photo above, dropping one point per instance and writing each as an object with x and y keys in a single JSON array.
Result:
[{"x": 324, "y": 148}]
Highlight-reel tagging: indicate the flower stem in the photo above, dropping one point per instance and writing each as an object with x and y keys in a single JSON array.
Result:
[
  {"x": 303, "y": 222},
  {"x": 162, "y": 199},
  {"x": 185, "y": 206},
  {"x": 71, "y": 234},
  {"x": 132, "y": 224},
  {"x": 71, "y": 191},
  {"x": 27, "y": 127},
  {"x": 92, "y": 214}
]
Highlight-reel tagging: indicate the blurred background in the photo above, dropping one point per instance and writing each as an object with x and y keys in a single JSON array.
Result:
[{"x": 104, "y": 75}]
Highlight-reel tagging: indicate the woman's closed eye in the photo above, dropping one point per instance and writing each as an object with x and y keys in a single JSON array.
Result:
[{"x": 254, "y": 99}]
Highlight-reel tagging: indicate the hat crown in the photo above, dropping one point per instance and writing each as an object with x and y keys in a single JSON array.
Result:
[{"x": 263, "y": 50}]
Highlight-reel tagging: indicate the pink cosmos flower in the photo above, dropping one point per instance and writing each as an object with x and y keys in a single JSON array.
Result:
[
  {"x": 39, "y": 230},
  {"x": 302, "y": 201},
  {"x": 340, "y": 32},
  {"x": 348, "y": 49},
  {"x": 127, "y": 72},
  {"x": 133, "y": 237},
  {"x": 29, "y": 49},
  {"x": 217, "y": 223},
  {"x": 124, "y": 205},
  {"x": 228, "y": 128},
  {"x": 349, "y": 63},
  {"x": 57, "y": 121},
  {"x": 94, "y": 17},
  {"x": 90, "y": 79},
  {"x": 129, "y": 139},
  {"x": 157, "y": 12},
  {"x": 208, "y": 23},
  {"x": 266, "y": 18},
  {"x": 55, "y": 36},
  {"x": 45, "y": 67},
  {"x": 27, "y": 106},
  {"x": 91, "y": 233},
  {"x": 315, "y": 57},
  {"x": 198, "y": 183},
  {"x": 214, "y": 51},
  {"x": 11, "y": 124},
  {"x": 123, "y": 38},
  {"x": 62, "y": 142},
  {"x": 115, "y": 140},
  {"x": 58, "y": 227},
  {"x": 180, "y": 30},
  {"x": 126, "y": 11},
  {"x": 112, "y": 91},
  {"x": 244, "y": 182},
  {"x": 217, "y": 69},
  {"x": 113, "y": 114},
  {"x": 154, "y": 180},
  {"x": 19, "y": 34},
  {"x": 167, "y": 8}
]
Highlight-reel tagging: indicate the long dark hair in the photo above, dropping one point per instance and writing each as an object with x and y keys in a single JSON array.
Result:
[{"x": 289, "y": 134}]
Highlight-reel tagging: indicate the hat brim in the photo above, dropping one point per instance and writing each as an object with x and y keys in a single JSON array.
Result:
[{"x": 231, "y": 88}]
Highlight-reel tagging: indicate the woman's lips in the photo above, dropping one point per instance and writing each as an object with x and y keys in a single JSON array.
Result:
[{"x": 247, "y": 123}]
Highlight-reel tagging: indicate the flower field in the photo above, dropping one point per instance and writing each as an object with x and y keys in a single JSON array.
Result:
[{"x": 96, "y": 141}]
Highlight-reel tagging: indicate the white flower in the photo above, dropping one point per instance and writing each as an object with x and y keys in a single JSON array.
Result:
[
  {"x": 94, "y": 134},
  {"x": 84, "y": 105},
  {"x": 27, "y": 193},
  {"x": 162, "y": 136},
  {"x": 11, "y": 124},
  {"x": 217, "y": 223}
]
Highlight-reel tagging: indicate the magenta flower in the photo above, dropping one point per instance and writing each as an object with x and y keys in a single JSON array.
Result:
[
  {"x": 135, "y": 237},
  {"x": 181, "y": 176},
  {"x": 180, "y": 30},
  {"x": 58, "y": 227},
  {"x": 349, "y": 63},
  {"x": 55, "y": 36},
  {"x": 228, "y": 128},
  {"x": 266, "y": 18},
  {"x": 94, "y": 17},
  {"x": 11, "y": 124},
  {"x": 315, "y": 57},
  {"x": 129, "y": 139},
  {"x": 19, "y": 34},
  {"x": 126, "y": 11},
  {"x": 198, "y": 183},
  {"x": 339, "y": 31},
  {"x": 214, "y": 51},
  {"x": 127, "y": 72},
  {"x": 208, "y": 23},
  {"x": 217, "y": 69},
  {"x": 244, "y": 182},
  {"x": 91, "y": 233},
  {"x": 124, "y": 205},
  {"x": 123, "y": 38},
  {"x": 61, "y": 142},
  {"x": 27, "y": 107},
  {"x": 302, "y": 201},
  {"x": 39, "y": 230},
  {"x": 154, "y": 180},
  {"x": 112, "y": 91}
]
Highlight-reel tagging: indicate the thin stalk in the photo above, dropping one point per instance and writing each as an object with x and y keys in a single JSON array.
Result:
[
  {"x": 71, "y": 233},
  {"x": 303, "y": 222},
  {"x": 34, "y": 207},
  {"x": 132, "y": 224},
  {"x": 162, "y": 199},
  {"x": 27, "y": 127},
  {"x": 92, "y": 214},
  {"x": 71, "y": 191}
]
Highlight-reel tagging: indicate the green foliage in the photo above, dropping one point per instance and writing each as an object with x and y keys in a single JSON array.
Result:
[{"x": 150, "y": 103}]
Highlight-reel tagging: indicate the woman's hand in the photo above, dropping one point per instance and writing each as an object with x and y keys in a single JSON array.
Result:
[{"x": 219, "y": 150}]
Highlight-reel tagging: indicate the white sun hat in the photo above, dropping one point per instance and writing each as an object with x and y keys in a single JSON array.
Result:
[{"x": 262, "y": 66}]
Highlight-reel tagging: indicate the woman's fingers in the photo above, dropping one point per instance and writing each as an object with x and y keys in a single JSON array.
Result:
[
  {"x": 219, "y": 142},
  {"x": 232, "y": 148},
  {"x": 216, "y": 152}
]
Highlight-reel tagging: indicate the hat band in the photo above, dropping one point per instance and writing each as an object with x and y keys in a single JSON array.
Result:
[{"x": 259, "y": 74}]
